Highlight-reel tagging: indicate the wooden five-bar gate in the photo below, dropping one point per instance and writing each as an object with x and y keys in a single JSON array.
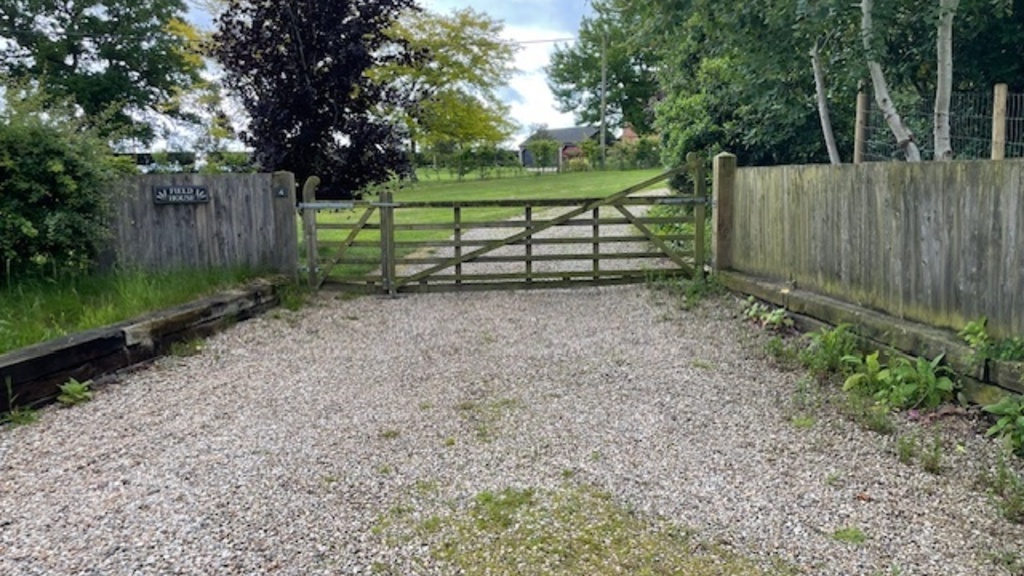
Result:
[{"x": 389, "y": 247}]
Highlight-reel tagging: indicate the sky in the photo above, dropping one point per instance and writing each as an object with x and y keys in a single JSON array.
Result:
[{"x": 528, "y": 95}]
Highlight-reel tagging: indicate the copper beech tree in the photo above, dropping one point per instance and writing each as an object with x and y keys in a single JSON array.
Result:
[{"x": 299, "y": 70}]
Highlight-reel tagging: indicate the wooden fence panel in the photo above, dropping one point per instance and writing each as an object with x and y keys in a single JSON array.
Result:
[
  {"x": 246, "y": 220},
  {"x": 936, "y": 242}
]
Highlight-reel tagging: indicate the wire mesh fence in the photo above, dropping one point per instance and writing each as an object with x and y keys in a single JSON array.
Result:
[{"x": 970, "y": 127}]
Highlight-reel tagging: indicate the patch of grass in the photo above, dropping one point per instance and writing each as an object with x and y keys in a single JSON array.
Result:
[
  {"x": 868, "y": 414},
  {"x": 293, "y": 296},
  {"x": 1007, "y": 487},
  {"x": 689, "y": 292},
  {"x": 385, "y": 470},
  {"x": 803, "y": 421},
  {"x": 906, "y": 449},
  {"x": 36, "y": 310},
  {"x": 186, "y": 348},
  {"x": 783, "y": 354},
  {"x": 389, "y": 434},
  {"x": 931, "y": 459},
  {"x": 702, "y": 364},
  {"x": 449, "y": 442},
  {"x": 74, "y": 392},
  {"x": 485, "y": 417},
  {"x": 20, "y": 416},
  {"x": 850, "y": 535},
  {"x": 573, "y": 531},
  {"x": 833, "y": 479},
  {"x": 1010, "y": 560},
  {"x": 17, "y": 415}
]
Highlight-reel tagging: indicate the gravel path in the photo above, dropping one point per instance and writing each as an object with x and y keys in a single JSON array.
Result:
[{"x": 279, "y": 447}]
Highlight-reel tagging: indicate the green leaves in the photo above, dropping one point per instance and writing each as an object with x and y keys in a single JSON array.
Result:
[
  {"x": 112, "y": 57},
  {"x": 55, "y": 172},
  {"x": 902, "y": 385},
  {"x": 74, "y": 392},
  {"x": 1010, "y": 424}
]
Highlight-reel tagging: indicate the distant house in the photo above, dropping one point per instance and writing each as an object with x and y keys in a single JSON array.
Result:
[{"x": 570, "y": 139}]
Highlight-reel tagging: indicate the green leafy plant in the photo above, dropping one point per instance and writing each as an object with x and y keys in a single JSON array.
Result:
[
  {"x": 1010, "y": 423},
  {"x": 826, "y": 349},
  {"x": 902, "y": 385},
  {"x": 985, "y": 348},
  {"x": 74, "y": 392},
  {"x": 776, "y": 319}
]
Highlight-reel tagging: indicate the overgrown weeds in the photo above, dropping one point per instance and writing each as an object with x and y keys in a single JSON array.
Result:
[
  {"x": 825, "y": 349},
  {"x": 45, "y": 308},
  {"x": 1007, "y": 487}
]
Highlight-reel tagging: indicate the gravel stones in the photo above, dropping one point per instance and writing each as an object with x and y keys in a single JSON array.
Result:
[{"x": 280, "y": 447}]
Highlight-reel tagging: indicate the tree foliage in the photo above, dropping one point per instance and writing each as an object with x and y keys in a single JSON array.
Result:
[
  {"x": 575, "y": 72},
  {"x": 450, "y": 89},
  {"x": 741, "y": 79},
  {"x": 300, "y": 71},
  {"x": 125, "y": 57},
  {"x": 55, "y": 172}
]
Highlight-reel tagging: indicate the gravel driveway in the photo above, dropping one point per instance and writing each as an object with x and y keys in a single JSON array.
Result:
[{"x": 280, "y": 448}]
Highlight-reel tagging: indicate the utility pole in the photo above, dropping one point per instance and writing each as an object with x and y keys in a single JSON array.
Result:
[{"x": 604, "y": 97}]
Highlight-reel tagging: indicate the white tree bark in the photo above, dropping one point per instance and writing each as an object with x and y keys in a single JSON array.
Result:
[
  {"x": 944, "y": 79},
  {"x": 903, "y": 135},
  {"x": 823, "y": 113}
]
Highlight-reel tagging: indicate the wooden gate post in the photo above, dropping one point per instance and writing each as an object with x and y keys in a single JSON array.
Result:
[
  {"x": 387, "y": 241},
  {"x": 700, "y": 190},
  {"x": 309, "y": 226},
  {"x": 723, "y": 197}
]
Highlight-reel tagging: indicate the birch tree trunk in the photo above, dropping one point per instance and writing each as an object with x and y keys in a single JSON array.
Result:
[
  {"x": 903, "y": 135},
  {"x": 944, "y": 79},
  {"x": 823, "y": 114}
]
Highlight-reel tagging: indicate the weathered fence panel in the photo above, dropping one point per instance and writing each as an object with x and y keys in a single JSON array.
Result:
[
  {"x": 937, "y": 242},
  {"x": 168, "y": 221}
]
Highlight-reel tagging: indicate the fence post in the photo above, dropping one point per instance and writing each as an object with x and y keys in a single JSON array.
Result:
[
  {"x": 861, "y": 124},
  {"x": 723, "y": 197},
  {"x": 309, "y": 226},
  {"x": 999, "y": 122},
  {"x": 700, "y": 190},
  {"x": 387, "y": 241},
  {"x": 286, "y": 259}
]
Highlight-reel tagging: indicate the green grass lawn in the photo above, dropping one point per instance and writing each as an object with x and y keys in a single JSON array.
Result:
[
  {"x": 573, "y": 185},
  {"x": 38, "y": 310}
]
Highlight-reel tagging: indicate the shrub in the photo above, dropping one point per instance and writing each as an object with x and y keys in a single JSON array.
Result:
[{"x": 54, "y": 176}]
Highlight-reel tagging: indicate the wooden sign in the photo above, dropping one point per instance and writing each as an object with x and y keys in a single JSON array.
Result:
[{"x": 180, "y": 195}]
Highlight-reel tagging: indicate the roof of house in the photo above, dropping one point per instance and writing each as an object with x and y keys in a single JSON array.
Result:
[{"x": 573, "y": 135}]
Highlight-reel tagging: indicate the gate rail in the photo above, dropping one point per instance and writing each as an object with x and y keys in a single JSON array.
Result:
[{"x": 398, "y": 261}]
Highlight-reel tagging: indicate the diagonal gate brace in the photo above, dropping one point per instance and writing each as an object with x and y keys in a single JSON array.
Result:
[{"x": 492, "y": 246}]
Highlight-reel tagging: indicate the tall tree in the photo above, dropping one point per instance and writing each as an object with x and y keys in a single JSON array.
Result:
[
  {"x": 121, "y": 58},
  {"x": 300, "y": 71},
  {"x": 606, "y": 41},
  {"x": 450, "y": 89}
]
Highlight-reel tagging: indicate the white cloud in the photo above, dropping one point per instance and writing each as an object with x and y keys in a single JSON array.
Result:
[
  {"x": 531, "y": 22},
  {"x": 534, "y": 28}
]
